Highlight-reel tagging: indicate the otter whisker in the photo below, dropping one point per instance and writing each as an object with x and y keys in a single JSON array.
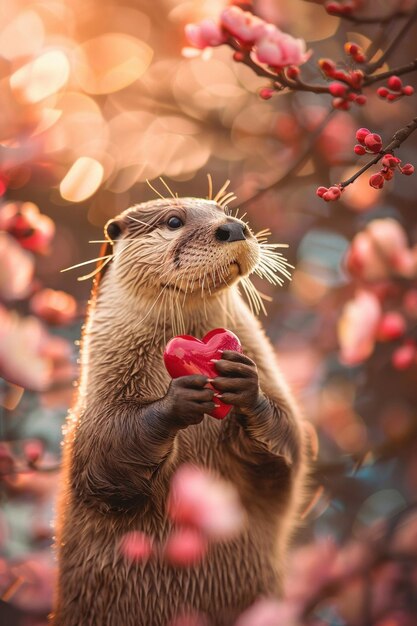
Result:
[
  {"x": 253, "y": 295},
  {"x": 110, "y": 257},
  {"x": 221, "y": 191},
  {"x": 100, "y": 258},
  {"x": 210, "y": 187},
  {"x": 155, "y": 190},
  {"x": 228, "y": 197},
  {"x": 175, "y": 196},
  {"x": 134, "y": 219}
]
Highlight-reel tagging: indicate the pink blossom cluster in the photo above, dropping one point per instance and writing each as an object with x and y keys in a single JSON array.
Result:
[
  {"x": 270, "y": 45},
  {"x": 203, "y": 508},
  {"x": 377, "y": 254}
]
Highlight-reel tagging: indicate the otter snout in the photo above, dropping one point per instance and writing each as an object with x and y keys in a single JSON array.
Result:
[{"x": 233, "y": 231}]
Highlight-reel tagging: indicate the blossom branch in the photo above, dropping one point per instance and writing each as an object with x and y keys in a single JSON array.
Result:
[
  {"x": 395, "y": 42},
  {"x": 398, "y": 138}
]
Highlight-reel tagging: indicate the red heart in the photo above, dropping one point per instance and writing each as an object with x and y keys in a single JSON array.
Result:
[{"x": 185, "y": 355}]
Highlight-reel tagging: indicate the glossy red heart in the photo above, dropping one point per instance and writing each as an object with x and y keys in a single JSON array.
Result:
[{"x": 185, "y": 355}]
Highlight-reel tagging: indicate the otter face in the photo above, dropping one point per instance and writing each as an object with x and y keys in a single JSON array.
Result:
[{"x": 188, "y": 245}]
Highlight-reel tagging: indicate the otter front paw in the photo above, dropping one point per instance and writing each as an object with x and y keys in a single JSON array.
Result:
[
  {"x": 238, "y": 383},
  {"x": 187, "y": 400}
]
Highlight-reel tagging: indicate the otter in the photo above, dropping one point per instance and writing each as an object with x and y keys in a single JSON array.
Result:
[{"x": 173, "y": 265}]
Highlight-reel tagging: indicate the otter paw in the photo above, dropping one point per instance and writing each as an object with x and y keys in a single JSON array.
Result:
[
  {"x": 189, "y": 399},
  {"x": 238, "y": 383}
]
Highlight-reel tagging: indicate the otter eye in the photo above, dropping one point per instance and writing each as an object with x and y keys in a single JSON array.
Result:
[
  {"x": 174, "y": 222},
  {"x": 113, "y": 230}
]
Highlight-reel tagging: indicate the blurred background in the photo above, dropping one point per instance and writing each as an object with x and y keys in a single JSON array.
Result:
[{"x": 96, "y": 97}]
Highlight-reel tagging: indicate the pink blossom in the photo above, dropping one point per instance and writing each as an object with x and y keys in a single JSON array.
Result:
[
  {"x": 378, "y": 250},
  {"x": 55, "y": 307},
  {"x": 280, "y": 49},
  {"x": 358, "y": 327},
  {"x": 16, "y": 269},
  {"x": 210, "y": 504},
  {"x": 185, "y": 547},
  {"x": 136, "y": 546},
  {"x": 205, "y": 33},
  {"x": 242, "y": 24},
  {"x": 268, "y": 612},
  {"x": 29, "y": 356}
]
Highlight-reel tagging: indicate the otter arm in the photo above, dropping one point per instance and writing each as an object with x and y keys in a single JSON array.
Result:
[{"x": 119, "y": 455}]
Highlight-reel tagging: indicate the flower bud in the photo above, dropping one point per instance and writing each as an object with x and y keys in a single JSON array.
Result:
[
  {"x": 395, "y": 83},
  {"x": 337, "y": 89},
  {"x": 266, "y": 93},
  {"x": 407, "y": 169},
  {"x": 341, "y": 104},
  {"x": 377, "y": 181},
  {"x": 382, "y": 92},
  {"x": 391, "y": 327},
  {"x": 373, "y": 142},
  {"x": 358, "y": 149},
  {"x": 408, "y": 90},
  {"x": 293, "y": 72},
  {"x": 320, "y": 191},
  {"x": 361, "y": 134},
  {"x": 389, "y": 160},
  {"x": 333, "y": 193},
  {"x": 361, "y": 100},
  {"x": 327, "y": 66}
]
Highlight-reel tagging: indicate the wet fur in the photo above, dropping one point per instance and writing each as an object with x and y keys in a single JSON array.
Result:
[{"x": 108, "y": 485}]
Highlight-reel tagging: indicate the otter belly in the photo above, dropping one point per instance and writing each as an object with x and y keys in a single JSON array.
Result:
[{"x": 98, "y": 587}]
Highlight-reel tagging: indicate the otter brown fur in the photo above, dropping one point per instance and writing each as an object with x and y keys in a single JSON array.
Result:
[{"x": 124, "y": 440}]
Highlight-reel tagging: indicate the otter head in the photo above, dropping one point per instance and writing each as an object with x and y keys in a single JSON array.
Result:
[{"x": 186, "y": 246}]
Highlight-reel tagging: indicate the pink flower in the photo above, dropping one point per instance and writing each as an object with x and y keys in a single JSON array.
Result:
[
  {"x": 268, "y": 612},
  {"x": 380, "y": 251},
  {"x": 29, "y": 357},
  {"x": 207, "y": 503},
  {"x": 358, "y": 327},
  {"x": 280, "y": 49},
  {"x": 242, "y": 24},
  {"x": 185, "y": 547},
  {"x": 16, "y": 269},
  {"x": 205, "y": 33},
  {"x": 55, "y": 307},
  {"x": 136, "y": 546}
]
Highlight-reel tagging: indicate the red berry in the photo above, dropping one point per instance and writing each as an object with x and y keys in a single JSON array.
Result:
[
  {"x": 360, "y": 58},
  {"x": 361, "y": 100},
  {"x": 404, "y": 356},
  {"x": 395, "y": 83},
  {"x": 392, "y": 326},
  {"x": 358, "y": 149},
  {"x": 408, "y": 90},
  {"x": 361, "y": 134},
  {"x": 337, "y": 89},
  {"x": 407, "y": 169},
  {"x": 382, "y": 92},
  {"x": 320, "y": 191},
  {"x": 377, "y": 181},
  {"x": 266, "y": 93},
  {"x": 391, "y": 97},
  {"x": 373, "y": 142}
]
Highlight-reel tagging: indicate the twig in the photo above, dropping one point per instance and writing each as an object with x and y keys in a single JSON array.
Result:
[
  {"x": 397, "y": 71},
  {"x": 394, "y": 43}
]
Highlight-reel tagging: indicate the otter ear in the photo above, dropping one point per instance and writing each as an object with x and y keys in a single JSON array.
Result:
[{"x": 113, "y": 229}]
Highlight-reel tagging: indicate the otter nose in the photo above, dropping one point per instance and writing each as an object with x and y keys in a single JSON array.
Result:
[{"x": 234, "y": 231}]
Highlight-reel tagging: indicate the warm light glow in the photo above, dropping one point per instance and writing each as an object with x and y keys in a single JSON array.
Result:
[
  {"x": 42, "y": 77},
  {"x": 111, "y": 62},
  {"x": 82, "y": 180}
]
